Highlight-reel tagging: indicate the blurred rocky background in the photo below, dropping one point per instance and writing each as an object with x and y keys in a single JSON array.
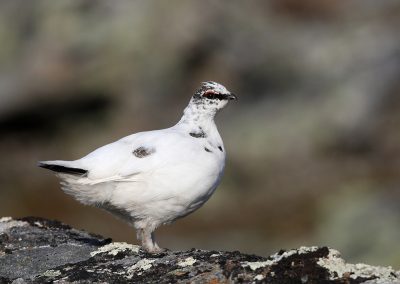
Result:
[{"x": 313, "y": 143}]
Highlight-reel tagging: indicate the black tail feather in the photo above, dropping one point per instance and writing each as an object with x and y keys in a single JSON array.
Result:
[{"x": 62, "y": 169}]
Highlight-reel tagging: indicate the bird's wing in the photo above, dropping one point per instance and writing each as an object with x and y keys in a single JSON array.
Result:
[{"x": 125, "y": 159}]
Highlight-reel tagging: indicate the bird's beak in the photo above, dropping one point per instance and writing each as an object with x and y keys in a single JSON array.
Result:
[{"x": 232, "y": 97}]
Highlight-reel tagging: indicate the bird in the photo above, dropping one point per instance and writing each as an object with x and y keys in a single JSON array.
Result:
[{"x": 153, "y": 178}]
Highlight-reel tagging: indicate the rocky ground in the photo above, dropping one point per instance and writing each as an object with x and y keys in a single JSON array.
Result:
[{"x": 36, "y": 250}]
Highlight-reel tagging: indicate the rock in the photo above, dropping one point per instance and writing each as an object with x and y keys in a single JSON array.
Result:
[{"x": 36, "y": 250}]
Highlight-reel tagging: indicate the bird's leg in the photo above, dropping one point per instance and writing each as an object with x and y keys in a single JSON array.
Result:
[
  {"x": 147, "y": 238},
  {"x": 153, "y": 239}
]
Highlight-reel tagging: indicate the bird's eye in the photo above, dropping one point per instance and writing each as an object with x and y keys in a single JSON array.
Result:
[{"x": 209, "y": 95}]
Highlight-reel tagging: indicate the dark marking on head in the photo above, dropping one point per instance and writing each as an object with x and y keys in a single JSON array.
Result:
[
  {"x": 211, "y": 95},
  {"x": 207, "y": 150},
  {"x": 142, "y": 152},
  {"x": 220, "y": 148},
  {"x": 206, "y": 89}
]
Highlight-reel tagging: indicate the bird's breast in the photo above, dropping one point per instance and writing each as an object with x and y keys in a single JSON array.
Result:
[{"x": 190, "y": 171}]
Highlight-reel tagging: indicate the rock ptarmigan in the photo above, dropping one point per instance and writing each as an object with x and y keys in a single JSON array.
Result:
[{"x": 155, "y": 177}]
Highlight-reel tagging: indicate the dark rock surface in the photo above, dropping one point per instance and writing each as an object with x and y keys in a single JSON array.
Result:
[{"x": 35, "y": 250}]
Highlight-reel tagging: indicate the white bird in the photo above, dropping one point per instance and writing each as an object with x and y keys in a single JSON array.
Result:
[{"x": 155, "y": 177}]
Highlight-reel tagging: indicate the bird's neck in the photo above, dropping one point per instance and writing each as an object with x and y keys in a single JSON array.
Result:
[{"x": 196, "y": 118}]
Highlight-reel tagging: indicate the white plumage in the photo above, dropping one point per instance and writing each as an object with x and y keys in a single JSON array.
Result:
[{"x": 152, "y": 178}]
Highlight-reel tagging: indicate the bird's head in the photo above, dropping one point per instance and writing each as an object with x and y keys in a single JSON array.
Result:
[{"x": 212, "y": 96}]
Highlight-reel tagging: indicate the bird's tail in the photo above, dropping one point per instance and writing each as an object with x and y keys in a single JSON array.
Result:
[{"x": 62, "y": 167}]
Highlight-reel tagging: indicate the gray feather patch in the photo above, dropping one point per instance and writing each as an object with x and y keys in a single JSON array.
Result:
[{"x": 142, "y": 152}]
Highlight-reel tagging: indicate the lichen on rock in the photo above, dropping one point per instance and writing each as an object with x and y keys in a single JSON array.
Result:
[
  {"x": 338, "y": 268},
  {"x": 115, "y": 248},
  {"x": 187, "y": 262}
]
